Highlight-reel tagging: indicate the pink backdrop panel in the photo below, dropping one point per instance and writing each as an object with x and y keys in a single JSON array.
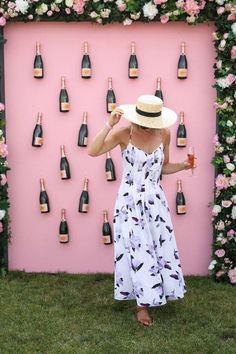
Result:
[{"x": 34, "y": 246}]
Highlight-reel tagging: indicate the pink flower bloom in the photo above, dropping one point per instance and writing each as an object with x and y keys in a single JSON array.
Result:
[
  {"x": 202, "y": 4},
  {"x": 30, "y": 17},
  {"x": 215, "y": 139},
  {"x": 191, "y": 7},
  {"x": 226, "y": 159},
  {"x": 220, "y": 225},
  {"x": 79, "y": 6},
  {"x": 220, "y": 252},
  {"x": 233, "y": 52},
  {"x": 230, "y": 79},
  {"x": 222, "y": 182},
  {"x": 230, "y": 232},
  {"x": 121, "y": 7},
  {"x": 164, "y": 19},
  {"x": 2, "y": 107},
  {"x": 223, "y": 241},
  {"x": 226, "y": 203},
  {"x": 11, "y": 5},
  {"x": 1, "y": 227},
  {"x": 231, "y": 17},
  {"x": 219, "y": 273},
  {"x": 67, "y": 10},
  {"x": 232, "y": 275},
  {"x": 3, "y": 150},
  {"x": 220, "y": 10},
  {"x": 49, "y": 13},
  {"x": 2, "y": 21},
  {"x": 220, "y": 106},
  {"x": 3, "y": 179},
  {"x": 158, "y": 2}
]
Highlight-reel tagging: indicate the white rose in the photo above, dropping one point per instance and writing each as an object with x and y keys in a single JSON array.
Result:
[
  {"x": 135, "y": 16},
  {"x": 191, "y": 19},
  {"x": 222, "y": 43},
  {"x": 105, "y": 13},
  {"x": 21, "y": 6},
  {"x": 2, "y": 214},
  {"x": 230, "y": 139},
  {"x": 150, "y": 10},
  {"x": 230, "y": 166},
  {"x": 176, "y": 12},
  {"x": 1, "y": 132},
  {"x": 216, "y": 209},
  {"x": 41, "y": 9},
  {"x": 58, "y": 1},
  {"x": 212, "y": 264},
  {"x": 220, "y": 2},
  {"x": 127, "y": 22},
  {"x": 233, "y": 212},
  {"x": 233, "y": 27},
  {"x": 69, "y": 3},
  {"x": 229, "y": 123},
  {"x": 234, "y": 198}
]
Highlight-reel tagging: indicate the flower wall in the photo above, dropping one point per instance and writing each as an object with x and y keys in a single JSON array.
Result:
[{"x": 223, "y": 13}]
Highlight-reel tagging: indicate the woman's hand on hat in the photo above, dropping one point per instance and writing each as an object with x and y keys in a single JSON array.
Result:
[{"x": 115, "y": 116}]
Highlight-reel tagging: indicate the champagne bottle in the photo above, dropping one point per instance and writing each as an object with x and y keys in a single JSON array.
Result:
[
  {"x": 106, "y": 229},
  {"x": 63, "y": 229},
  {"x": 83, "y": 132},
  {"x": 158, "y": 92},
  {"x": 111, "y": 99},
  {"x": 133, "y": 63},
  {"x": 64, "y": 98},
  {"x": 110, "y": 168},
  {"x": 86, "y": 64},
  {"x": 84, "y": 198},
  {"x": 181, "y": 138},
  {"x": 182, "y": 64},
  {"x": 64, "y": 165},
  {"x": 43, "y": 198},
  {"x": 38, "y": 63},
  {"x": 37, "y": 139},
  {"x": 180, "y": 200}
]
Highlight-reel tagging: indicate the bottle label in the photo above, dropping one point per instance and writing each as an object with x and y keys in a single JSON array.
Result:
[
  {"x": 111, "y": 106},
  {"x": 38, "y": 72},
  {"x": 85, "y": 208},
  {"x": 108, "y": 175},
  {"x": 43, "y": 208},
  {"x": 63, "y": 174},
  {"x": 182, "y": 72},
  {"x": 181, "y": 209},
  {"x": 181, "y": 141},
  {"x": 85, "y": 140},
  {"x": 86, "y": 72},
  {"x": 38, "y": 141},
  {"x": 133, "y": 72},
  {"x": 106, "y": 239},
  {"x": 65, "y": 106},
  {"x": 63, "y": 237}
]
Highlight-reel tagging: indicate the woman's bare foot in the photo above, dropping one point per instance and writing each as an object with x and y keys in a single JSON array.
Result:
[{"x": 143, "y": 316}]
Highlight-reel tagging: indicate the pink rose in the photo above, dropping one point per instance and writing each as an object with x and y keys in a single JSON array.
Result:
[
  {"x": 222, "y": 182},
  {"x": 220, "y": 225},
  {"x": 121, "y": 7},
  {"x": 219, "y": 273},
  {"x": 230, "y": 232},
  {"x": 1, "y": 227},
  {"x": 202, "y": 4},
  {"x": 67, "y": 10},
  {"x": 233, "y": 52},
  {"x": 11, "y": 5},
  {"x": 220, "y": 10},
  {"x": 231, "y": 17},
  {"x": 2, "y": 107},
  {"x": 2, "y": 21},
  {"x": 220, "y": 252},
  {"x": 30, "y": 17},
  {"x": 215, "y": 139},
  {"x": 164, "y": 19},
  {"x": 226, "y": 158},
  {"x": 49, "y": 13},
  {"x": 191, "y": 7},
  {"x": 223, "y": 241},
  {"x": 232, "y": 275},
  {"x": 226, "y": 203},
  {"x": 3, "y": 150},
  {"x": 157, "y": 2},
  {"x": 3, "y": 179},
  {"x": 79, "y": 6},
  {"x": 230, "y": 79}
]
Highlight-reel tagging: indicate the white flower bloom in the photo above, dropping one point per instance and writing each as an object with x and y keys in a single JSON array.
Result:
[
  {"x": 230, "y": 166},
  {"x": 41, "y": 9},
  {"x": 2, "y": 214},
  {"x": 222, "y": 43},
  {"x": 233, "y": 27},
  {"x": 222, "y": 82},
  {"x": 135, "y": 16},
  {"x": 191, "y": 19},
  {"x": 105, "y": 13},
  {"x": 150, "y": 10},
  {"x": 127, "y": 22},
  {"x": 212, "y": 264},
  {"x": 69, "y": 3},
  {"x": 216, "y": 209},
  {"x": 22, "y": 6},
  {"x": 176, "y": 12},
  {"x": 230, "y": 139},
  {"x": 1, "y": 132},
  {"x": 233, "y": 212},
  {"x": 58, "y": 1},
  {"x": 220, "y": 2}
]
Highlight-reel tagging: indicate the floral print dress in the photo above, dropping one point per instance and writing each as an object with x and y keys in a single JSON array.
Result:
[{"x": 146, "y": 258}]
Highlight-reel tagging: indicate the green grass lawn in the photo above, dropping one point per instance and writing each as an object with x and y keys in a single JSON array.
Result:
[{"x": 63, "y": 313}]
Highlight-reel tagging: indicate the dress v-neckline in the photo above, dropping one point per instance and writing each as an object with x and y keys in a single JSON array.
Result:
[{"x": 146, "y": 153}]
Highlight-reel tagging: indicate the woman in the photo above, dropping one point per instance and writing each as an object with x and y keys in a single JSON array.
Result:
[{"x": 147, "y": 264}]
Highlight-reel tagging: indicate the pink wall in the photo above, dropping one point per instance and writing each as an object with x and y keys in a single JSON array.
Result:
[{"x": 35, "y": 245}]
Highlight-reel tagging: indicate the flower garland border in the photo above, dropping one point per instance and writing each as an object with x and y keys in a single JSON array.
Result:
[{"x": 223, "y": 14}]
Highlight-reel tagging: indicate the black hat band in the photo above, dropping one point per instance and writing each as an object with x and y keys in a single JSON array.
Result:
[{"x": 148, "y": 114}]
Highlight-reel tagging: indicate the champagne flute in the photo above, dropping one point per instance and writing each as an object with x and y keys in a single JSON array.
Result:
[{"x": 191, "y": 158}]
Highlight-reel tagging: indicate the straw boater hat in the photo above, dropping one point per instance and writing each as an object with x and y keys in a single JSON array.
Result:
[{"x": 149, "y": 112}]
